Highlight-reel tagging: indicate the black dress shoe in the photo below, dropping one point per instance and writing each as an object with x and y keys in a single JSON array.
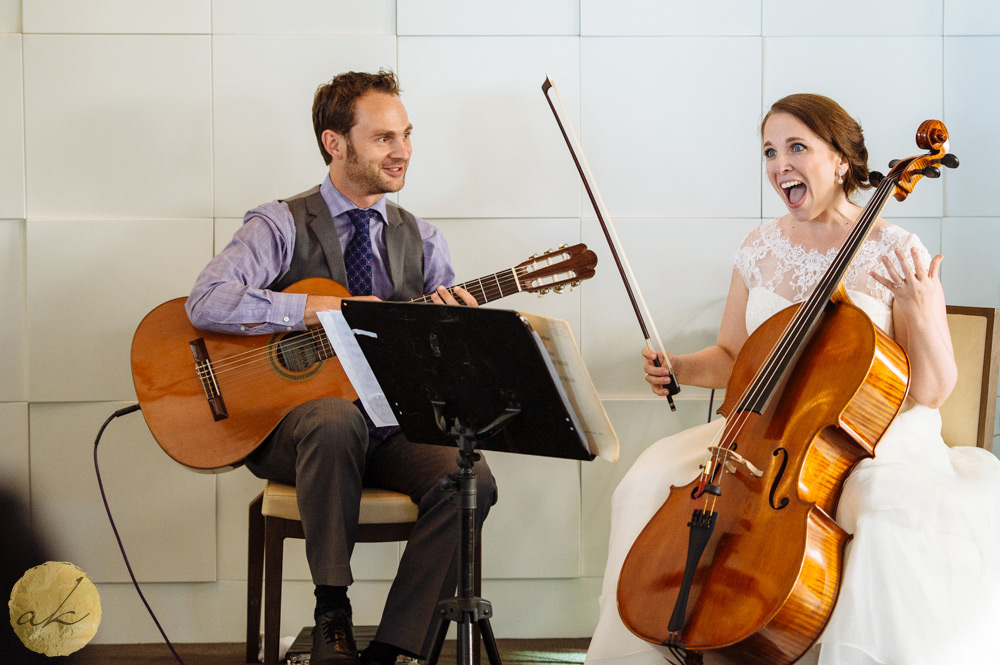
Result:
[{"x": 333, "y": 640}]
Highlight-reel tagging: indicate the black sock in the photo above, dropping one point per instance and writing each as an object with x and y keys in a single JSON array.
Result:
[
  {"x": 331, "y": 598},
  {"x": 383, "y": 654}
]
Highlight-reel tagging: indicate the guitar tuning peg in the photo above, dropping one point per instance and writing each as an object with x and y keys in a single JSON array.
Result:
[
  {"x": 563, "y": 246},
  {"x": 533, "y": 257},
  {"x": 548, "y": 251},
  {"x": 559, "y": 289},
  {"x": 542, "y": 292}
]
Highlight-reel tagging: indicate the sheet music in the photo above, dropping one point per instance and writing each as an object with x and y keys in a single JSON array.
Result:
[
  {"x": 356, "y": 367},
  {"x": 563, "y": 359}
]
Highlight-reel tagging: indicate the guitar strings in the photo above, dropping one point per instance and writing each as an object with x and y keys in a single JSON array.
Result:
[
  {"x": 503, "y": 280},
  {"x": 496, "y": 286},
  {"x": 303, "y": 340}
]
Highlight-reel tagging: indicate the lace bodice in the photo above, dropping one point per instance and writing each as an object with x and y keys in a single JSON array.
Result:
[{"x": 778, "y": 273}]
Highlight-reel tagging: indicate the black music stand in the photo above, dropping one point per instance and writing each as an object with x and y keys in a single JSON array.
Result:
[{"x": 473, "y": 378}]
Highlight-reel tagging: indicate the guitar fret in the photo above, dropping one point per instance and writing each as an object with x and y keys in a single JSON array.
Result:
[
  {"x": 513, "y": 278},
  {"x": 482, "y": 292}
]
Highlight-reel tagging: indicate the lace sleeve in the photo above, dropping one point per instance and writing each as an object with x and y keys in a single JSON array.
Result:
[
  {"x": 870, "y": 259},
  {"x": 747, "y": 256}
]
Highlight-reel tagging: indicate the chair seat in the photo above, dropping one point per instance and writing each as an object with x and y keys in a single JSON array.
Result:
[{"x": 378, "y": 506}]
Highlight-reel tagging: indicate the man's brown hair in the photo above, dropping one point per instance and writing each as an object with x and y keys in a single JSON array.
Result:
[{"x": 334, "y": 102}]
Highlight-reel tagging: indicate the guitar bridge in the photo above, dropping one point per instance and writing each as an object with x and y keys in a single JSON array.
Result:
[{"x": 206, "y": 375}]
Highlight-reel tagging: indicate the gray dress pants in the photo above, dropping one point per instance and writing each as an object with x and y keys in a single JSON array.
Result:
[{"x": 321, "y": 447}]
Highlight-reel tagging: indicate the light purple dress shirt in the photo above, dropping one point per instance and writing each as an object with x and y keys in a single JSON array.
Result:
[{"x": 228, "y": 295}]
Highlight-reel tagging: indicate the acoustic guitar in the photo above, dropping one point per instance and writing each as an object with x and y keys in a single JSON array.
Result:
[{"x": 210, "y": 399}]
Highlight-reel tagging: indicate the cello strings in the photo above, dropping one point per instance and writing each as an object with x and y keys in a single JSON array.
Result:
[{"x": 790, "y": 339}]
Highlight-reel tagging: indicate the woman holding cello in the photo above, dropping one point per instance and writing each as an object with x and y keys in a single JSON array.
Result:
[{"x": 919, "y": 584}]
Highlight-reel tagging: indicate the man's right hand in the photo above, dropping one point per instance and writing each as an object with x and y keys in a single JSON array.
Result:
[{"x": 316, "y": 304}]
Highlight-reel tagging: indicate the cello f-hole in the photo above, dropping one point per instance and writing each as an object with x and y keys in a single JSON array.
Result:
[{"x": 777, "y": 479}]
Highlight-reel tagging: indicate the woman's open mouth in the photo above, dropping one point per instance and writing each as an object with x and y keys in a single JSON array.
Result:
[{"x": 794, "y": 191}]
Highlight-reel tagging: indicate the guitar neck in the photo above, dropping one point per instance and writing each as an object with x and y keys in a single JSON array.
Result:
[{"x": 487, "y": 289}]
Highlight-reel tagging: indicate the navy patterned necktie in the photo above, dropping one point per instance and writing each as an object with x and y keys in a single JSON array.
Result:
[
  {"x": 359, "y": 264},
  {"x": 358, "y": 255}
]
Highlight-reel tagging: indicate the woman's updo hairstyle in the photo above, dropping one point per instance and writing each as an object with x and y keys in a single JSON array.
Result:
[{"x": 829, "y": 121}]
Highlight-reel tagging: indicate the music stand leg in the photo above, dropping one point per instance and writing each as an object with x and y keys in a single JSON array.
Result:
[{"x": 467, "y": 609}]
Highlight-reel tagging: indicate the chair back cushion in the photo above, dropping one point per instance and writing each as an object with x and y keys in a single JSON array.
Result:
[{"x": 964, "y": 411}]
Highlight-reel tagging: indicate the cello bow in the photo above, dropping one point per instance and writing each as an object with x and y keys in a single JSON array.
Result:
[{"x": 611, "y": 235}]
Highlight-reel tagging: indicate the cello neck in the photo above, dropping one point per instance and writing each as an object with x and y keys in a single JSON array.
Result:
[{"x": 782, "y": 357}]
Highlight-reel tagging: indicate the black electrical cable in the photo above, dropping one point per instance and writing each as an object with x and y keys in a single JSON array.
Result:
[{"x": 122, "y": 412}]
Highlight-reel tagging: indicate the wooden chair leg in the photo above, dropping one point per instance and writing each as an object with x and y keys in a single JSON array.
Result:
[
  {"x": 274, "y": 539},
  {"x": 255, "y": 576}
]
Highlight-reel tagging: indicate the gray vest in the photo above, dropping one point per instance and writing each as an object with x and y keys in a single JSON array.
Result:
[{"x": 317, "y": 251}]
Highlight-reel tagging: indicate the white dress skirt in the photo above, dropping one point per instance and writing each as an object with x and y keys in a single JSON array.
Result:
[{"x": 921, "y": 582}]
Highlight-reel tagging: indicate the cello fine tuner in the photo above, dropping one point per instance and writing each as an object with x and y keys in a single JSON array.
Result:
[{"x": 734, "y": 456}]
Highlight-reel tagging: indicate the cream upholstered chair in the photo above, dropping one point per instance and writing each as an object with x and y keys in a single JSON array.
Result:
[
  {"x": 968, "y": 414},
  {"x": 385, "y": 516}
]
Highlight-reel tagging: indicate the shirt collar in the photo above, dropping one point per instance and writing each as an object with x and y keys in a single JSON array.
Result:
[{"x": 340, "y": 204}]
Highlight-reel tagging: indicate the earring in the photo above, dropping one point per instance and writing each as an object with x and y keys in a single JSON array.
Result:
[{"x": 840, "y": 177}]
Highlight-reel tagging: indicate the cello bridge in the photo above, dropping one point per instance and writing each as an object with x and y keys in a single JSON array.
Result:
[{"x": 732, "y": 458}]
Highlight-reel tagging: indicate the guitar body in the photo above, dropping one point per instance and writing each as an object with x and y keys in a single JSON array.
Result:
[
  {"x": 211, "y": 398},
  {"x": 257, "y": 390}
]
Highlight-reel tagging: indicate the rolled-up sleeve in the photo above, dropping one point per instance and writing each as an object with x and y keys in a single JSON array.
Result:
[{"x": 228, "y": 295}]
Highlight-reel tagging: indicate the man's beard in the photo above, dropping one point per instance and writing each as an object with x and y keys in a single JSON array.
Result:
[{"x": 368, "y": 176}]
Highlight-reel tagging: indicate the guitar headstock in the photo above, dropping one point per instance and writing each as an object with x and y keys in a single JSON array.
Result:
[
  {"x": 555, "y": 269},
  {"x": 932, "y": 136}
]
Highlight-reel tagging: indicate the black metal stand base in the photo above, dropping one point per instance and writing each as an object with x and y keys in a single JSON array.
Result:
[{"x": 466, "y": 610}]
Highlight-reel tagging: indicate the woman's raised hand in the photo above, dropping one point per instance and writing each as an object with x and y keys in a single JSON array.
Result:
[{"x": 914, "y": 288}]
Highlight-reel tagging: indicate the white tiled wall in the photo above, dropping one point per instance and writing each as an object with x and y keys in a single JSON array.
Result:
[
  {"x": 853, "y": 18},
  {"x": 116, "y": 16},
  {"x": 134, "y": 135},
  {"x": 12, "y": 128},
  {"x": 13, "y": 335}
]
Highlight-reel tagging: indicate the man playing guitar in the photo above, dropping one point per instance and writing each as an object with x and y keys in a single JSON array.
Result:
[{"x": 345, "y": 230}]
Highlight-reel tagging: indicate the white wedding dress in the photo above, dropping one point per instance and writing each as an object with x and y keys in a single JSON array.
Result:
[{"x": 921, "y": 582}]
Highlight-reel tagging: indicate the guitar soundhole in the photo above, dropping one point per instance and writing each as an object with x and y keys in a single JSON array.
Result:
[{"x": 295, "y": 356}]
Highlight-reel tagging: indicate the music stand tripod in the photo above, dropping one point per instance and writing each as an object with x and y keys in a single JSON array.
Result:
[
  {"x": 446, "y": 371},
  {"x": 466, "y": 609}
]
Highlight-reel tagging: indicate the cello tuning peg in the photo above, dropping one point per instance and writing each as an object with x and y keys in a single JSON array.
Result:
[
  {"x": 874, "y": 177},
  {"x": 893, "y": 162},
  {"x": 950, "y": 160},
  {"x": 931, "y": 171}
]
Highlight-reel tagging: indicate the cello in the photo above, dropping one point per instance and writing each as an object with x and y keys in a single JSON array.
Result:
[{"x": 810, "y": 394}]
